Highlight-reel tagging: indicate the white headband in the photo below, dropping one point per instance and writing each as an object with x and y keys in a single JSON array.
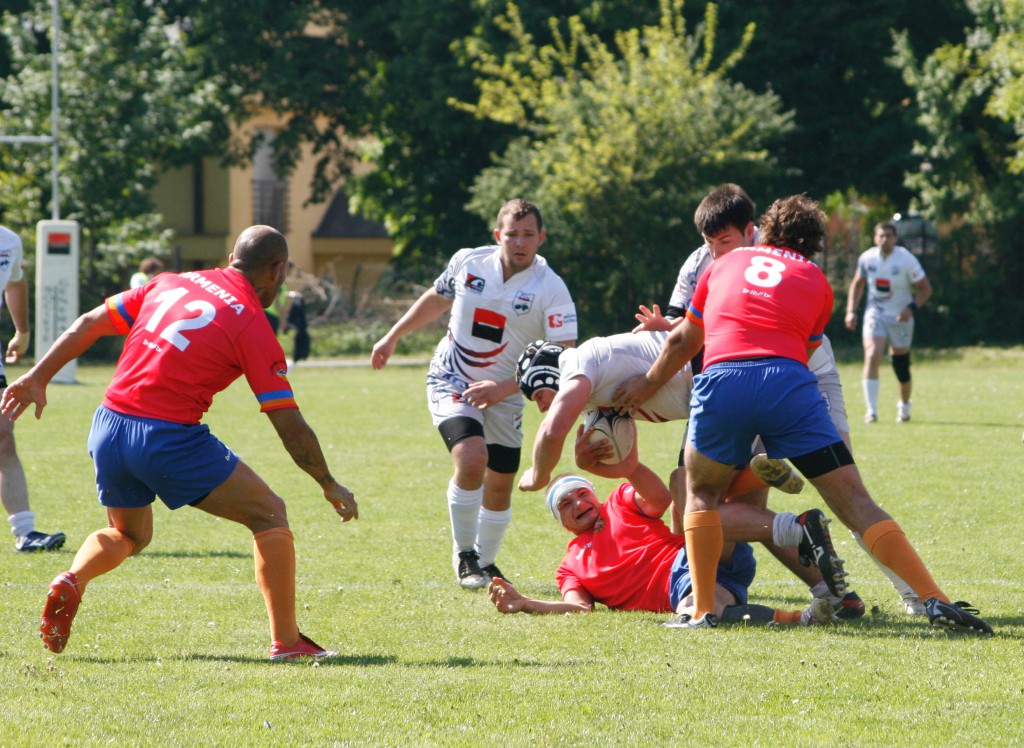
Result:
[{"x": 563, "y": 485}]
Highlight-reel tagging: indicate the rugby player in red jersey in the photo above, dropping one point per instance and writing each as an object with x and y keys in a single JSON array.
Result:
[{"x": 189, "y": 336}]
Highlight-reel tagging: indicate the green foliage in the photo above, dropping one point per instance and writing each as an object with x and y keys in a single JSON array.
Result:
[
  {"x": 968, "y": 179},
  {"x": 827, "y": 62},
  {"x": 131, "y": 101},
  {"x": 620, "y": 142},
  {"x": 425, "y": 663}
]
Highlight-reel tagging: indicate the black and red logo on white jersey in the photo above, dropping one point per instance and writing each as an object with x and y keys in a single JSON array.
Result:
[
  {"x": 475, "y": 283},
  {"x": 883, "y": 286},
  {"x": 488, "y": 325}
]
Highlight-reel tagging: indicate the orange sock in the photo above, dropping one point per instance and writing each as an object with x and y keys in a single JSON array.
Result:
[
  {"x": 101, "y": 552},
  {"x": 745, "y": 482},
  {"x": 889, "y": 545},
  {"x": 787, "y": 616},
  {"x": 274, "y": 553},
  {"x": 704, "y": 541}
]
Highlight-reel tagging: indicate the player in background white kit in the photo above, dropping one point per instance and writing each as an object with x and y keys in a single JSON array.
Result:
[
  {"x": 13, "y": 486},
  {"x": 724, "y": 230},
  {"x": 501, "y": 297},
  {"x": 896, "y": 288}
]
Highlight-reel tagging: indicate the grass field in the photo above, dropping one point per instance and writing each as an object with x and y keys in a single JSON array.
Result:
[{"x": 170, "y": 648}]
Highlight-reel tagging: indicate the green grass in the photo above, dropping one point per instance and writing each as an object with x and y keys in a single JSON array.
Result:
[{"x": 170, "y": 648}]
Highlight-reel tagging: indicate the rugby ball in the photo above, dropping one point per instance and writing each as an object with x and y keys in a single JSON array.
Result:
[{"x": 619, "y": 430}]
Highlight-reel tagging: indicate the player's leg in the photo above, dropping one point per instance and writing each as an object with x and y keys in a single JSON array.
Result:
[
  {"x": 462, "y": 428},
  {"x": 504, "y": 438},
  {"x": 702, "y": 525},
  {"x": 14, "y": 495},
  {"x": 844, "y": 491},
  {"x": 465, "y": 496},
  {"x": 129, "y": 530},
  {"x": 874, "y": 348},
  {"x": 496, "y": 510},
  {"x": 886, "y": 541},
  {"x": 900, "y": 338},
  {"x": 246, "y": 499}
]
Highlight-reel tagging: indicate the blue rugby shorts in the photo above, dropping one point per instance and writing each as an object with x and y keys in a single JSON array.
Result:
[{"x": 138, "y": 459}]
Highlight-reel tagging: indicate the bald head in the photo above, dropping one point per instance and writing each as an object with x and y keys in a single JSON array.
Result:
[
  {"x": 261, "y": 255},
  {"x": 257, "y": 248}
]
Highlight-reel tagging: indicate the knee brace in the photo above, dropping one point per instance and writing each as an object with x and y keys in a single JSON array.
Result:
[{"x": 901, "y": 365}]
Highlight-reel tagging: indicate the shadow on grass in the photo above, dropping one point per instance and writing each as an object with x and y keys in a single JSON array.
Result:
[
  {"x": 193, "y": 554},
  {"x": 340, "y": 660}
]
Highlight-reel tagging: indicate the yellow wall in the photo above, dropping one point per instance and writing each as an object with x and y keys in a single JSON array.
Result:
[{"x": 227, "y": 210}]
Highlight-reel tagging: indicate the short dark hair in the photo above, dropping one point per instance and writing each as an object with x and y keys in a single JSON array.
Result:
[
  {"x": 727, "y": 206},
  {"x": 796, "y": 223},
  {"x": 888, "y": 225},
  {"x": 518, "y": 209}
]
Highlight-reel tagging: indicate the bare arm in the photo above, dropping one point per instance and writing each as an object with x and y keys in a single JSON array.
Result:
[
  {"x": 547, "y": 447},
  {"x": 853, "y": 300},
  {"x": 652, "y": 495},
  {"x": 507, "y": 599},
  {"x": 17, "y": 303},
  {"x": 428, "y": 307},
  {"x": 304, "y": 448},
  {"x": 73, "y": 342}
]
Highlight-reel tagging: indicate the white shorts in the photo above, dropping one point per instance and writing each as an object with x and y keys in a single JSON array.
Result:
[
  {"x": 832, "y": 393},
  {"x": 879, "y": 325},
  {"x": 502, "y": 422}
]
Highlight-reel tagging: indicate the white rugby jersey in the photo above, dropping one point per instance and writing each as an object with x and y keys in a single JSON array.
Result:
[
  {"x": 691, "y": 271},
  {"x": 889, "y": 280},
  {"x": 607, "y": 362},
  {"x": 10, "y": 260},
  {"x": 492, "y": 320}
]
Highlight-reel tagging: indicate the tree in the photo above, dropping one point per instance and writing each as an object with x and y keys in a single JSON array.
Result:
[
  {"x": 131, "y": 103},
  {"x": 969, "y": 177},
  {"x": 829, "y": 64},
  {"x": 618, "y": 144}
]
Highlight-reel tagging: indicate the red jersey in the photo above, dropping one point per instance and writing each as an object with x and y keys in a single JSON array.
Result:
[
  {"x": 189, "y": 337},
  {"x": 626, "y": 561},
  {"x": 756, "y": 302}
]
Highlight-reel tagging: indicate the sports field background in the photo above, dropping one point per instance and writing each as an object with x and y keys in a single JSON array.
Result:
[{"x": 170, "y": 649}]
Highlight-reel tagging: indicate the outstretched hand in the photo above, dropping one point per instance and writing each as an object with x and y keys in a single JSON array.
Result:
[
  {"x": 343, "y": 501},
  {"x": 19, "y": 395},
  {"x": 505, "y": 597},
  {"x": 589, "y": 453},
  {"x": 651, "y": 319},
  {"x": 631, "y": 394},
  {"x": 530, "y": 481}
]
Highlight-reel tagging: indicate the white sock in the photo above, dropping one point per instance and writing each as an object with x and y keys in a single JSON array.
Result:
[
  {"x": 22, "y": 523},
  {"x": 871, "y": 394},
  {"x": 821, "y": 590},
  {"x": 786, "y": 532},
  {"x": 901, "y": 587},
  {"x": 492, "y": 529},
  {"x": 464, "y": 510}
]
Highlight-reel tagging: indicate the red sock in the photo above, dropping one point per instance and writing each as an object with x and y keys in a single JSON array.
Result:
[
  {"x": 704, "y": 541},
  {"x": 274, "y": 554},
  {"x": 889, "y": 545}
]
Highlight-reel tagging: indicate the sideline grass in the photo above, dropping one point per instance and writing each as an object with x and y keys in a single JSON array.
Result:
[{"x": 170, "y": 648}]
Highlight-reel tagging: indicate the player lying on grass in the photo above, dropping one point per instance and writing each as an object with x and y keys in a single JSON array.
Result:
[
  {"x": 625, "y": 557},
  {"x": 189, "y": 336},
  {"x": 565, "y": 382}
]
